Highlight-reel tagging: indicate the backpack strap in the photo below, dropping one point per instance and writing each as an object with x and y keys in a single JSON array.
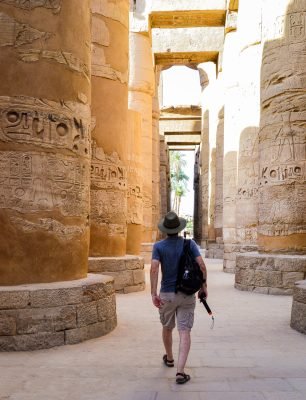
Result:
[{"x": 186, "y": 246}]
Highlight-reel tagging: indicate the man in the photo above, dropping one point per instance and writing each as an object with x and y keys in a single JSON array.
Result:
[{"x": 167, "y": 252}]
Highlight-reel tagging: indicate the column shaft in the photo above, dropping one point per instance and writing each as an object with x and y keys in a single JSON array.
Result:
[
  {"x": 109, "y": 115},
  {"x": 141, "y": 88},
  {"x": 44, "y": 141}
]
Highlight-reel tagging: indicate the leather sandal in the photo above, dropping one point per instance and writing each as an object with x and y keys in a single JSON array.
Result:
[
  {"x": 181, "y": 378},
  {"x": 169, "y": 363}
]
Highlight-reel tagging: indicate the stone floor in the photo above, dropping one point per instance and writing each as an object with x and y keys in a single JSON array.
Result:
[{"x": 251, "y": 354}]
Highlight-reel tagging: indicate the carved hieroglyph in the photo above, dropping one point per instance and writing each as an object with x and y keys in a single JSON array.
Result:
[
  {"x": 108, "y": 199},
  {"x": 44, "y": 175},
  {"x": 282, "y": 140},
  {"x": 54, "y": 5},
  {"x": 135, "y": 181},
  {"x": 45, "y": 123},
  {"x": 15, "y": 33},
  {"x": 108, "y": 191}
]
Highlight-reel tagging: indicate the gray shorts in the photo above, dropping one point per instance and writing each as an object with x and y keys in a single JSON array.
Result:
[{"x": 178, "y": 304}]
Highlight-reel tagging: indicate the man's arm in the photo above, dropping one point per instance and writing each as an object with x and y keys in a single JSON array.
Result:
[
  {"x": 154, "y": 280},
  {"x": 202, "y": 265}
]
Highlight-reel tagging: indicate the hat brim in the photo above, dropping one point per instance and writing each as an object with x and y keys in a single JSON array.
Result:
[{"x": 179, "y": 228}]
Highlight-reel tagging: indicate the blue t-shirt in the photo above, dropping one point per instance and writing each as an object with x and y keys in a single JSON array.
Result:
[{"x": 168, "y": 253}]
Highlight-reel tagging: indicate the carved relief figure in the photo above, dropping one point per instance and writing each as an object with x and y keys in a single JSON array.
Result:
[
  {"x": 34, "y": 181},
  {"x": 285, "y": 140}
]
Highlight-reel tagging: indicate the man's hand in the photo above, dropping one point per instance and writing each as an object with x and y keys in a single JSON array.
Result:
[
  {"x": 156, "y": 300},
  {"x": 202, "y": 291}
]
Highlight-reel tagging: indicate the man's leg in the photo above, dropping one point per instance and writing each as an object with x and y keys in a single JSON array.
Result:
[
  {"x": 167, "y": 339},
  {"x": 184, "y": 348}
]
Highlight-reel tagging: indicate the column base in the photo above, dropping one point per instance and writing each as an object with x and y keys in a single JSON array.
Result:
[
  {"x": 298, "y": 311},
  {"x": 269, "y": 273},
  {"x": 127, "y": 271},
  {"x": 230, "y": 255},
  {"x": 41, "y": 316},
  {"x": 215, "y": 249},
  {"x": 146, "y": 252}
]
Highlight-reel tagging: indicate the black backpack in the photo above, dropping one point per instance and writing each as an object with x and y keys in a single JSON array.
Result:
[{"x": 190, "y": 276}]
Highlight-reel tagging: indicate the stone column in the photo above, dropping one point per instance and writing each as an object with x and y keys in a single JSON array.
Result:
[
  {"x": 231, "y": 147},
  {"x": 164, "y": 167},
  {"x": 134, "y": 183},
  {"x": 282, "y": 208},
  {"x": 44, "y": 179},
  {"x": 155, "y": 159},
  {"x": 110, "y": 65},
  {"x": 249, "y": 31},
  {"x": 212, "y": 104},
  {"x": 110, "y": 49},
  {"x": 197, "y": 214},
  {"x": 219, "y": 174},
  {"x": 45, "y": 142},
  {"x": 204, "y": 177},
  {"x": 141, "y": 89}
]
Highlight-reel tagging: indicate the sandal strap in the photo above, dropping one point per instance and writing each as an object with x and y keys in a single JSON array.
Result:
[{"x": 166, "y": 359}]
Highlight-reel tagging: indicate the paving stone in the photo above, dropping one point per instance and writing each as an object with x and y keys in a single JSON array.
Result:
[
  {"x": 231, "y": 396},
  {"x": 298, "y": 383},
  {"x": 265, "y": 384},
  {"x": 141, "y": 396},
  {"x": 191, "y": 395},
  {"x": 284, "y": 396}
]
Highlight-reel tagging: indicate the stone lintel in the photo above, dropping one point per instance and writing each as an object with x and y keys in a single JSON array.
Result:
[
  {"x": 276, "y": 273},
  {"x": 53, "y": 313},
  {"x": 187, "y": 19},
  {"x": 188, "y": 40},
  {"x": 181, "y": 147},
  {"x": 127, "y": 271},
  {"x": 182, "y": 112},
  {"x": 189, "y": 59},
  {"x": 183, "y": 138},
  {"x": 177, "y": 126},
  {"x": 186, "y": 5}
]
